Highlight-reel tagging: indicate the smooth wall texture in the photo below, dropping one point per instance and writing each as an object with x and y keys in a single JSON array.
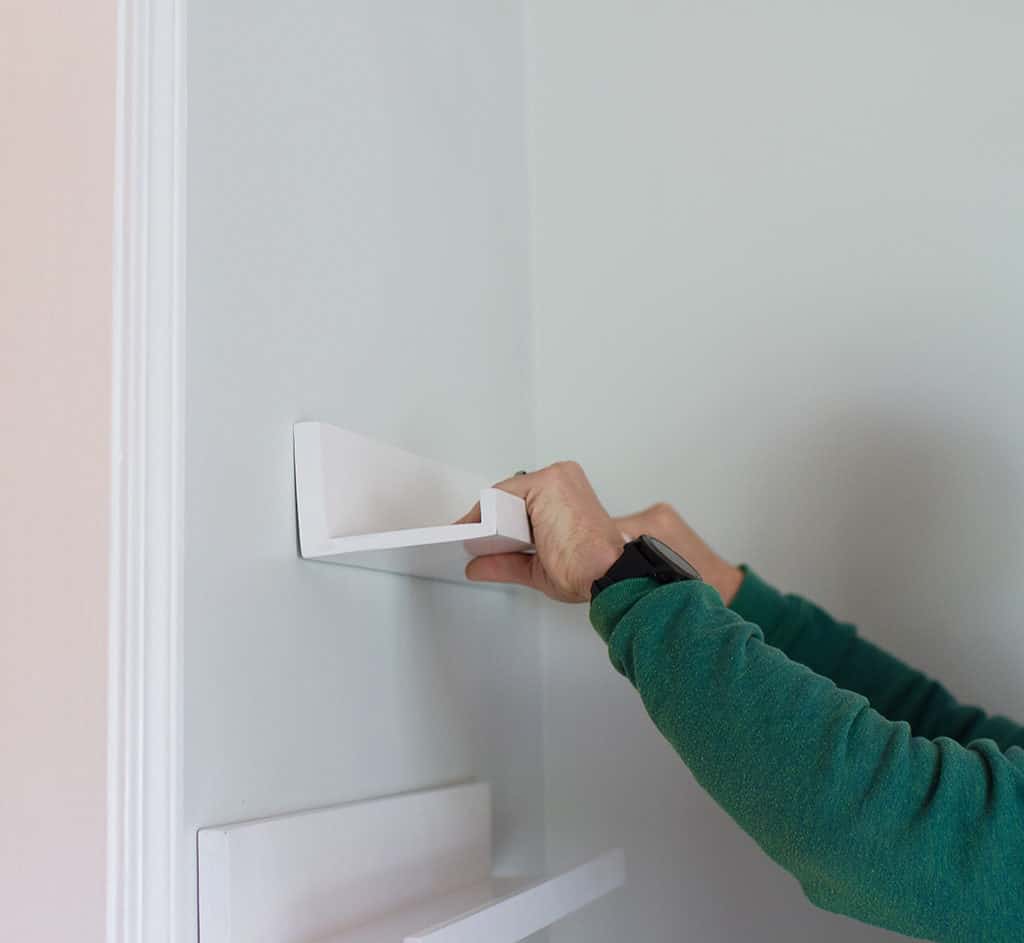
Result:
[
  {"x": 778, "y": 283},
  {"x": 357, "y": 254},
  {"x": 57, "y": 72}
]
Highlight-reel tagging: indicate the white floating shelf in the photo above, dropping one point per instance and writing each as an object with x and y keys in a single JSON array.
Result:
[
  {"x": 364, "y": 503},
  {"x": 413, "y": 868}
]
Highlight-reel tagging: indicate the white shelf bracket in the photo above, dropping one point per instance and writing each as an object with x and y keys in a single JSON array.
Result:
[{"x": 363, "y": 503}]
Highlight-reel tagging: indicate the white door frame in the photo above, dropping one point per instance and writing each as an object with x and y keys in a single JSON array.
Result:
[{"x": 146, "y": 841}]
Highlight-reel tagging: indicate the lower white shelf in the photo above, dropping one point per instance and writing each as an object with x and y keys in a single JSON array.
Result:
[
  {"x": 415, "y": 867},
  {"x": 499, "y": 910}
]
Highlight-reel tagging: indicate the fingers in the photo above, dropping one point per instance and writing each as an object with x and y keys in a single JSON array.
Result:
[
  {"x": 519, "y": 485},
  {"x": 522, "y": 485},
  {"x": 502, "y": 568},
  {"x": 659, "y": 520},
  {"x": 472, "y": 516}
]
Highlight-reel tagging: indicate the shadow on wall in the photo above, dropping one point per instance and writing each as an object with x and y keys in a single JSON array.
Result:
[{"x": 917, "y": 526}]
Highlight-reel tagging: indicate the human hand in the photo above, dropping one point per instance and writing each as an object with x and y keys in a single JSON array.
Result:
[
  {"x": 576, "y": 539},
  {"x": 662, "y": 521}
]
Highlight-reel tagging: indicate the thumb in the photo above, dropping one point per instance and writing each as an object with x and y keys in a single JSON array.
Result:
[{"x": 501, "y": 568}]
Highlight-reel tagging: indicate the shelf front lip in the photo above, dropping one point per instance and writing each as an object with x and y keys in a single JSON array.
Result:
[
  {"x": 401, "y": 539},
  {"x": 533, "y": 908},
  {"x": 397, "y": 926},
  {"x": 509, "y": 908}
]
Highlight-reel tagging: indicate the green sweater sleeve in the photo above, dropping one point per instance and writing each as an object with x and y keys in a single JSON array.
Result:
[
  {"x": 809, "y": 635},
  {"x": 925, "y": 837}
]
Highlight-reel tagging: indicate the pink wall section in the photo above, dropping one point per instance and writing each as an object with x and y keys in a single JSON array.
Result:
[{"x": 57, "y": 75}]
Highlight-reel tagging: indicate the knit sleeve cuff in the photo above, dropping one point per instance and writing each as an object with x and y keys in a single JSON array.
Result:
[
  {"x": 611, "y": 604},
  {"x": 760, "y": 603}
]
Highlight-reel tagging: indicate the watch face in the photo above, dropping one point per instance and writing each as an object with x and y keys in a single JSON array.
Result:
[{"x": 670, "y": 556}]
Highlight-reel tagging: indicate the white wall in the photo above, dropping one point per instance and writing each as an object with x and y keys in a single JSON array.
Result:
[
  {"x": 357, "y": 253},
  {"x": 777, "y": 282},
  {"x": 57, "y": 72}
]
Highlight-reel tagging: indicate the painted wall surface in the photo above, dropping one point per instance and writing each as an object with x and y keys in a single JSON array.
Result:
[
  {"x": 57, "y": 72},
  {"x": 357, "y": 253},
  {"x": 777, "y": 283}
]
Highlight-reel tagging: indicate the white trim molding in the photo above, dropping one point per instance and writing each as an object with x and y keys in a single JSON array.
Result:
[{"x": 146, "y": 838}]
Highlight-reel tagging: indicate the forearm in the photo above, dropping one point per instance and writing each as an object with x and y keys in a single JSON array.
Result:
[
  {"x": 917, "y": 836},
  {"x": 809, "y": 635}
]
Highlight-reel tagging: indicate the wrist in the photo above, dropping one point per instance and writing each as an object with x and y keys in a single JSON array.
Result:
[
  {"x": 603, "y": 559},
  {"x": 725, "y": 578}
]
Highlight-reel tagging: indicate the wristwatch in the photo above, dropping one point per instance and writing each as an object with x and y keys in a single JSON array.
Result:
[{"x": 646, "y": 557}]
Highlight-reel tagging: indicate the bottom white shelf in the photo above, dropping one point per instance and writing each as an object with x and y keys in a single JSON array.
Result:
[
  {"x": 501, "y": 910},
  {"x": 415, "y": 867}
]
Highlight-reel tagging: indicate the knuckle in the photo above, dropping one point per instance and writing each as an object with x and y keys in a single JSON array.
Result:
[{"x": 663, "y": 512}]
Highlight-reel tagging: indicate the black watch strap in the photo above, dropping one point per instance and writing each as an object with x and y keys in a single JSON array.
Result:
[{"x": 646, "y": 557}]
